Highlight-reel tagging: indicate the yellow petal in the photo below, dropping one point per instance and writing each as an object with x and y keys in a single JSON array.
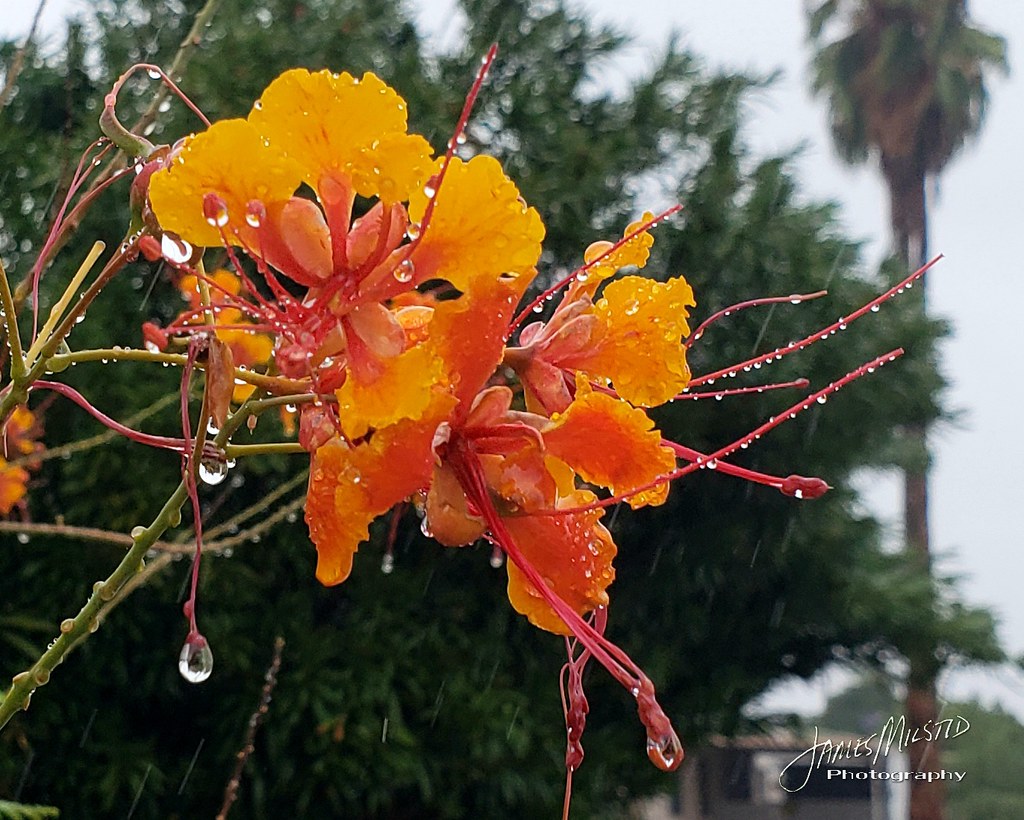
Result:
[
  {"x": 479, "y": 229},
  {"x": 403, "y": 390},
  {"x": 339, "y": 125},
  {"x": 635, "y": 251},
  {"x": 640, "y": 348},
  {"x": 230, "y": 160}
]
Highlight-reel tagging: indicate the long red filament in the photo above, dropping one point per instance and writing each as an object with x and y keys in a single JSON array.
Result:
[
  {"x": 564, "y": 282},
  {"x": 822, "y": 334},
  {"x": 794, "y": 299},
  {"x": 797, "y": 486}
]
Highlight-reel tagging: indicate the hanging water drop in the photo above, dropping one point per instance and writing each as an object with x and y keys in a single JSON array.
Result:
[
  {"x": 255, "y": 213},
  {"x": 387, "y": 563},
  {"x": 212, "y": 470},
  {"x": 195, "y": 663},
  {"x": 153, "y": 74},
  {"x": 665, "y": 752},
  {"x": 413, "y": 231}
]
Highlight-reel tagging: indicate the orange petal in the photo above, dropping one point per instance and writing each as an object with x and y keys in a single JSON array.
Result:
[
  {"x": 573, "y": 553},
  {"x": 480, "y": 227},
  {"x": 339, "y": 124},
  {"x": 611, "y": 444},
  {"x": 13, "y": 482},
  {"x": 350, "y": 486},
  {"x": 403, "y": 390},
  {"x": 641, "y": 348},
  {"x": 468, "y": 335},
  {"x": 447, "y": 515},
  {"x": 230, "y": 160}
]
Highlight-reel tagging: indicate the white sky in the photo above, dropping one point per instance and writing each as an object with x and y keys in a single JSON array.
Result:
[{"x": 977, "y": 482}]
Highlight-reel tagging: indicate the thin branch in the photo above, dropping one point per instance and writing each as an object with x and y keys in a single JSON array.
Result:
[
  {"x": 78, "y": 533},
  {"x": 258, "y": 507},
  {"x": 269, "y": 682}
]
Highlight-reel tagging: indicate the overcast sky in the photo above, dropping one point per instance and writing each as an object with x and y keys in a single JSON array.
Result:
[{"x": 978, "y": 484}]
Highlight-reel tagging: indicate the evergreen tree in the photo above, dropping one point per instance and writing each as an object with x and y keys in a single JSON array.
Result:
[{"x": 419, "y": 693}]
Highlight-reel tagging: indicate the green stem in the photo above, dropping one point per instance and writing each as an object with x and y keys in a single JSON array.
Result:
[
  {"x": 11, "y": 325},
  {"x": 73, "y": 630},
  {"x": 132, "y": 354},
  {"x": 77, "y": 629},
  {"x": 241, "y": 450}
]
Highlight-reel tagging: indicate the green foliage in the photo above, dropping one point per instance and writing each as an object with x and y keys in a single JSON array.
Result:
[
  {"x": 20, "y": 811},
  {"x": 990, "y": 754},
  {"x": 419, "y": 693}
]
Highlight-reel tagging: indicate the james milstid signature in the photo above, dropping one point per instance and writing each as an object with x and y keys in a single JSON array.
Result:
[{"x": 894, "y": 733}]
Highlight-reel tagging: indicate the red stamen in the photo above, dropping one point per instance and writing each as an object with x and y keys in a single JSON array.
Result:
[
  {"x": 791, "y": 485},
  {"x": 82, "y": 172},
  {"x": 469, "y": 471},
  {"x": 796, "y": 486},
  {"x": 152, "y": 69},
  {"x": 824, "y": 333},
  {"x": 161, "y": 442},
  {"x": 795, "y": 299},
  {"x": 561, "y": 283}
]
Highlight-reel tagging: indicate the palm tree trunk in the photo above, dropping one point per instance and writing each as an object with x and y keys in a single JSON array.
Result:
[{"x": 906, "y": 181}]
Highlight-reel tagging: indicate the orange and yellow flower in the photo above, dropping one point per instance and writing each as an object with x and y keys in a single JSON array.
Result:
[{"x": 401, "y": 334}]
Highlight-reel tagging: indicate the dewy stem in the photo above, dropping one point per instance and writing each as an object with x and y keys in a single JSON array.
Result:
[
  {"x": 74, "y": 630},
  {"x": 65, "y": 299},
  {"x": 11, "y": 326}
]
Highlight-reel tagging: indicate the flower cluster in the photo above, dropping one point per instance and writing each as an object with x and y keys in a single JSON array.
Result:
[
  {"x": 20, "y": 443},
  {"x": 382, "y": 287}
]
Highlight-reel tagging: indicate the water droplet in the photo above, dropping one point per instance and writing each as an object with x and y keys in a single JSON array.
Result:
[
  {"x": 387, "y": 563},
  {"x": 153, "y": 74},
  {"x": 212, "y": 470},
  {"x": 22, "y": 537},
  {"x": 255, "y": 213},
  {"x": 413, "y": 231},
  {"x": 215, "y": 210},
  {"x": 212, "y": 428},
  {"x": 195, "y": 663},
  {"x": 665, "y": 752},
  {"x": 404, "y": 272},
  {"x": 258, "y": 105},
  {"x": 430, "y": 189},
  {"x": 632, "y": 306},
  {"x": 497, "y": 559},
  {"x": 875, "y": 308},
  {"x": 712, "y": 464},
  {"x": 822, "y": 399}
]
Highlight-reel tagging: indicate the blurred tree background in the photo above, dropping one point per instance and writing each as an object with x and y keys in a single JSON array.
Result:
[{"x": 420, "y": 693}]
